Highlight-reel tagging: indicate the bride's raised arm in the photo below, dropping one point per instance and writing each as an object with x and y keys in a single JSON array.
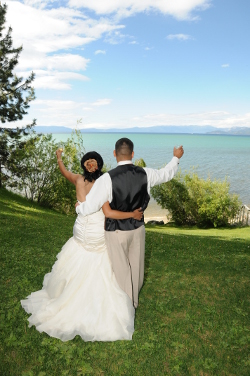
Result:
[
  {"x": 116, "y": 214},
  {"x": 70, "y": 176}
]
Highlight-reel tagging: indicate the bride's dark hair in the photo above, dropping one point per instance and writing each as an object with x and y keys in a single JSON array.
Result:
[{"x": 90, "y": 176}]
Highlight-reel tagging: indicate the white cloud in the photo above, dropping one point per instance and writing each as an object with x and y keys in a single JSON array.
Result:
[
  {"x": 98, "y": 52},
  {"x": 102, "y": 102},
  {"x": 148, "y": 48},
  {"x": 64, "y": 105},
  {"x": 225, "y": 66},
  {"x": 47, "y": 28},
  {"x": 38, "y": 3},
  {"x": 52, "y": 29},
  {"x": 57, "y": 105},
  {"x": 220, "y": 119},
  {"x": 46, "y": 32},
  {"x": 115, "y": 37},
  {"x": 87, "y": 108},
  {"x": 178, "y": 36},
  {"x": 57, "y": 61},
  {"x": 55, "y": 29},
  {"x": 56, "y": 80},
  {"x": 66, "y": 113},
  {"x": 52, "y": 79},
  {"x": 180, "y": 9}
]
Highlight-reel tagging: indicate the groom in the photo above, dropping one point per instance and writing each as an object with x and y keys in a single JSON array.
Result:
[{"x": 127, "y": 188}]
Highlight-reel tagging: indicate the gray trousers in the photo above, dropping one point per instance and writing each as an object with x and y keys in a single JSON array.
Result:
[{"x": 126, "y": 251}]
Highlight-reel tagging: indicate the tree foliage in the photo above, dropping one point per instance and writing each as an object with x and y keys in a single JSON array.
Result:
[
  {"x": 140, "y": 162},
  {"x": 37, "y": 174},
  {"x": 191, "y": 200},
  {"x": 15, "y": 96},
  {"x": 33, "y": 173},
  {"x": 15, "y": 92},
  {"x": 12, "y": 141},
  {"x": 64, "y": 191}
]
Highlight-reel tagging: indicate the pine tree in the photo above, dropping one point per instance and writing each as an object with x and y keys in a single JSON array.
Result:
[
  {"x": 15, "y": 96},
  {"x": 15, "y": 93}
]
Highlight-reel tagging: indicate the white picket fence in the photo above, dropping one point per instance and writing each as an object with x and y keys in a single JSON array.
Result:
[{"x": 243, "y": 216}]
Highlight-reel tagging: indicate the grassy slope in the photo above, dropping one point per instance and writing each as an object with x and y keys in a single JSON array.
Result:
[{"x": 193, "y": 317}]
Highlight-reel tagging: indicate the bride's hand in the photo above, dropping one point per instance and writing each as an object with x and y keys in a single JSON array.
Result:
[
  {"x": 59, "y": 153},
  {"x": 138, "y": 214}
]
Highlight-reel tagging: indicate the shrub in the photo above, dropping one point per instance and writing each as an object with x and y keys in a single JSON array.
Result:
[
  {"x": 34, "y": 169},
  {"x": 140, "y": 162},
  {"x": 64, "y": 192},
  {"x": 195, "y": 201},
  {"x": 37, "y": 174}
]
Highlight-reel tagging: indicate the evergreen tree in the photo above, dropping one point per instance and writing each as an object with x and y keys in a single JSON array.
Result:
[
  {"x": 15, "y": 93},
  {"x": 15, "y": 96}
]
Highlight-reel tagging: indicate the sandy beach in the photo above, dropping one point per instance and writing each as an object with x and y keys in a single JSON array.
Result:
[{"x": 155, "y": 212}]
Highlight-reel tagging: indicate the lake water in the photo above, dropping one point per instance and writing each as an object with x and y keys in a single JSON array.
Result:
[{"x": 216, "y": 156}]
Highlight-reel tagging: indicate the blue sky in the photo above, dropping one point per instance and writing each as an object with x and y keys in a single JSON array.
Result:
[{"x": 129, "y": 63}]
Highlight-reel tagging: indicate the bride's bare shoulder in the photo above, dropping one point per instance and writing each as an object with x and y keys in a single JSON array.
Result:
[{"x": 82, "y": 188}]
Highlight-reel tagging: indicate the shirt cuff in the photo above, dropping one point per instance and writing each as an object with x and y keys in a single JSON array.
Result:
[{"x": 176, "y": 159}]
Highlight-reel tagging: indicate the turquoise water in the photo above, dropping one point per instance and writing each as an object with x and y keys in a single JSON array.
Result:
[{"x": 216, "y": 156}]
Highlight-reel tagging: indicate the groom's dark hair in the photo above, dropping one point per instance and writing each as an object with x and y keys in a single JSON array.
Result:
[{"x": 124, "y": 146}]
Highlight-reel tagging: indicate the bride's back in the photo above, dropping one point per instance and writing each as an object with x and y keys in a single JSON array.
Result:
[{"x": 83, "y": 187}]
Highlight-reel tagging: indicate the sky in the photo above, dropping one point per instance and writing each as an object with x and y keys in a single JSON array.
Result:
[{"x": 135, "y": 63}]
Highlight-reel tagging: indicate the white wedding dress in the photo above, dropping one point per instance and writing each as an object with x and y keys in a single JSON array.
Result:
[{"x": 80, "y": 296}]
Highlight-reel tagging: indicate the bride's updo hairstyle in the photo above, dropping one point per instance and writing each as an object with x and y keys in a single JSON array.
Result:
[{"x": 92, "y": 164}]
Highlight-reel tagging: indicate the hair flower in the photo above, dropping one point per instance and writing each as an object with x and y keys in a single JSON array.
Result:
[{"x": 91, "y": 165}]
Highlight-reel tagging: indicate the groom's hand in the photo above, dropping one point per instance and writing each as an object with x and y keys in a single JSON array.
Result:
[
  {"x": 138, "y": 214},
  {"x": 178, "y": 152}
]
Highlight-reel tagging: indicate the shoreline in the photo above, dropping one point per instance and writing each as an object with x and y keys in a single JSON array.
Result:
[
  {"x": 155, "y": 213},
  {"x": 158, "y": 219}
]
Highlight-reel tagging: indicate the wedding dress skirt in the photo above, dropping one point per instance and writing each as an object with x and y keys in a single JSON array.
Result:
[{"x": 80, "y": 296}]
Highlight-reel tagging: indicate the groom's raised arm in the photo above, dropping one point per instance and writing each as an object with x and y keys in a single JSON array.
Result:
[
  {"x": 163, "y": 175},
  {"x": 166, "y": 173},
  {"x": 100, "y": 193}
]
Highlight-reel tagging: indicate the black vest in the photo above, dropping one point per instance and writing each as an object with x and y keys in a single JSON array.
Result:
[{"x": 129, "y": 189}]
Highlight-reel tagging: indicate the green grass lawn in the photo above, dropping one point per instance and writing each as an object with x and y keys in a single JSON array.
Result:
[{"x": 194, "y": 311}]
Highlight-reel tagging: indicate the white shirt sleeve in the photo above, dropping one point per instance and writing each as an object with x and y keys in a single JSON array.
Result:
[
  {"x": 163, "y": 175},
  {"x": 100, "y": 193}
]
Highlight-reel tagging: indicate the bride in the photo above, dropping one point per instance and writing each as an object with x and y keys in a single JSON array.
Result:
[{"x": 80, "y": 296}]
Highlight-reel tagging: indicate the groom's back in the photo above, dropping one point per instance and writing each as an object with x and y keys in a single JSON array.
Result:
[{"x": 129, "y": 190}]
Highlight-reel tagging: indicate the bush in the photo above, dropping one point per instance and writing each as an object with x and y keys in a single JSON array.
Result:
[
  {"x": 37, "y": 174},
  {"x": 34, "y": 167},
  {"x": 195, "y": 201},
  {"x": 63, "y": 192},
  {"x": 140, "y": 162}
]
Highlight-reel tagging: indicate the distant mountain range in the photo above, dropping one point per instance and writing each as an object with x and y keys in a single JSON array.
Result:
[
  {"x": 237, "y": 131},
  {"x": 189, "y": 129}
]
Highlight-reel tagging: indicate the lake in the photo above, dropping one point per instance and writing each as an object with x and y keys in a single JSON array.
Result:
[{"x": 216, "y": 156}]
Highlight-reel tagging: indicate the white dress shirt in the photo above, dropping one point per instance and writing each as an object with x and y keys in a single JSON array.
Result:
[{"x": 101, "y": 191}]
